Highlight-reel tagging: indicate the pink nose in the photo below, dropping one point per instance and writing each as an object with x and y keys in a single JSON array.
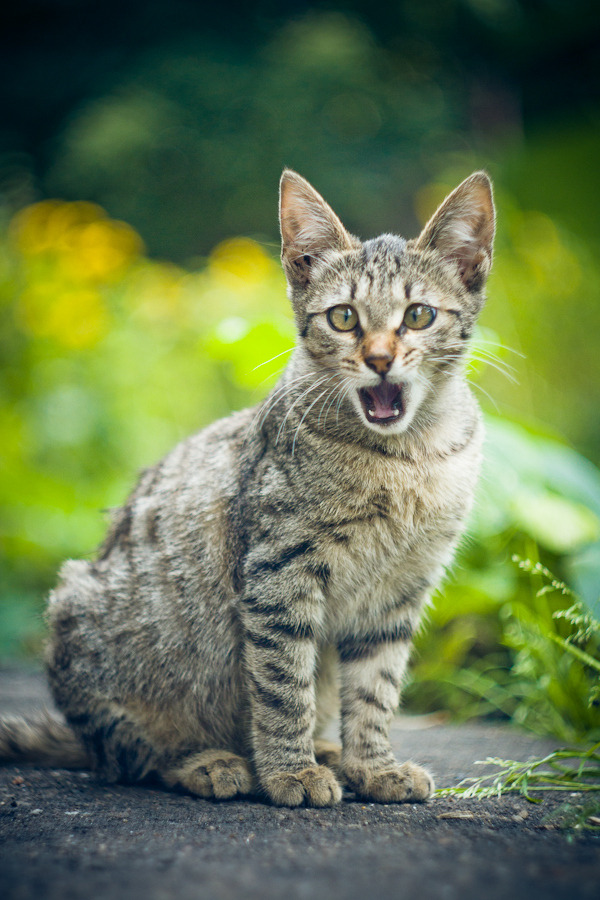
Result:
[{"x": 379, "y": 362}]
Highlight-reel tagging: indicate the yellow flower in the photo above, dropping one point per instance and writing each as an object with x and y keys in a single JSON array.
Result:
[
  {"x": 77, "y": 319},
  {"x": 155, "y": 292},
  {"x": 86, "y": 245},
  {"x": 240, "y": 263},
  {"x": 99, "y": 251},
  {"x": 46, "y": 226}
]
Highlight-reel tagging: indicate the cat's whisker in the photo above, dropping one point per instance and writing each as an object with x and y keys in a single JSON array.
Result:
[
  {"x": 342, "y": 391},
  {"x": 478, "y": 350},
  {"x": 483, "y": 391},
  {"x": 479, "y": 342},
  {"x": 305, "y": 413},
  {"x": 330, "y": 394},
  {"x": 486, "y": 357},
  {"x": 272, "y": 375},
  {"x": 448, "y": 357},
  {"x": 311, "y": 387},
  {"x": 499, "y": 368},
  {"x": 478, "y": 347},
  {"x": 267, "y": 361},
  {"x": 334, "y": 393},
  {"x": 421, "y": 378},
  {"x": 276, "y": 397},
  {"x": 293, "y": 404},
  {"x": 340, "y": 401},
  {"x": 345, "y": 394},
  {"x": 483, "y": 354},
  {"x": 328, "y": 399}
]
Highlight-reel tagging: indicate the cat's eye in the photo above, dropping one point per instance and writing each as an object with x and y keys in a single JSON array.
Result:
[
  {"x": 342, "y": 318},
  {"x": 419, "y": 316}
]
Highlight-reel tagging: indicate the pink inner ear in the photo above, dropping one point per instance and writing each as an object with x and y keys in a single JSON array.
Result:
[
  {"x": 468, "y": 263},
  {"x": 308, "y": 224},
  {"x": 462, "y": 229},
  {"x": 468, "y": 240},
  {"x": 464, "y": 233},
  {"x": 308, "y": 228},
  {"x": 464, "y": 250}
]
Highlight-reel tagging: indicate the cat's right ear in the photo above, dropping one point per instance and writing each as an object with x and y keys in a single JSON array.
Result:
[
  {"x": 309, "y": 227},
  {"x": 462, "y": 230}
]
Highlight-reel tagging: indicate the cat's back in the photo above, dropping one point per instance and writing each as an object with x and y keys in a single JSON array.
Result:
[
  {"x": 131, "y": 621},
  {"x": 169, "y": 542},
  {"x": 182, "y": 503}
]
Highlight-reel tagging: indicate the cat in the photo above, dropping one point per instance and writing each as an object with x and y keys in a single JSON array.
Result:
[{"x": 271, "y": 571}]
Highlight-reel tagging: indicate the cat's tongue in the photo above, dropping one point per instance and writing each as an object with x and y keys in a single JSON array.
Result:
[{"x": 382, "y": 402}]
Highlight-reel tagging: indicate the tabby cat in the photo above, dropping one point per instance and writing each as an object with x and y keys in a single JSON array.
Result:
[{"x": 273, "y": 568}]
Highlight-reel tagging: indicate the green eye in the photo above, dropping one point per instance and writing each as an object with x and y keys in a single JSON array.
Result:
[
  {"x": 342, "y": 318},
  {"x": 417, "y": 316}
]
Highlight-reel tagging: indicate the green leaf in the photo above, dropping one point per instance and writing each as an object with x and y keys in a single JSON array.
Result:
[{"x": 557, "y": 523}]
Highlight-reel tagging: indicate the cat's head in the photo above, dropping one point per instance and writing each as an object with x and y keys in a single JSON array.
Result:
[{"x": 391, "y": 317}]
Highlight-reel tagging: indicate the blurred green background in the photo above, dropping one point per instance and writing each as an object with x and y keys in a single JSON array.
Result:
[{"x": 140, "y": 150}]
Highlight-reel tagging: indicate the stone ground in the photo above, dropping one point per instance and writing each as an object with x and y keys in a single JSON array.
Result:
[{"x": 63, "y": 835}]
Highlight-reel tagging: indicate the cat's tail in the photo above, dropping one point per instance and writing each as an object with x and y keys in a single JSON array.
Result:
[{"x": 42, "y": 738}]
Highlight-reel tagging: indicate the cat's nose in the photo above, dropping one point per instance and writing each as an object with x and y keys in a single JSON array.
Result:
[{"x": 380, "y": 362}]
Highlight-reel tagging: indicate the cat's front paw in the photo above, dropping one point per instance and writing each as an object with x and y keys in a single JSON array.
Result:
[
  {"x": 407, "y": 783},
  {"x": 316, "y": 786}
]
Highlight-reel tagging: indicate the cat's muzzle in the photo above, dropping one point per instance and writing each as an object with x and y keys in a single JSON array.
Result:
[{"x": 383, "y": 404}]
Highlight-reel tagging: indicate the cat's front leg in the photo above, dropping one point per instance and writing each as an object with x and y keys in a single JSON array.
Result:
[
  {"x": 372, "y": 667},
  {"x": 281, "y": 618}
]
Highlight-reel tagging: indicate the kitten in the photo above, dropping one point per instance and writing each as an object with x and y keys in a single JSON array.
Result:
[{"x": 273, "y": 568}]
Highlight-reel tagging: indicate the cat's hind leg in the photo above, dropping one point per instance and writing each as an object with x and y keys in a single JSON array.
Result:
[
  {"x": 328, "y": 754},
  {"x": 123, "y": 750},
  {"x": 119, "y": 749},
  {"x": 212, "y": 774}
]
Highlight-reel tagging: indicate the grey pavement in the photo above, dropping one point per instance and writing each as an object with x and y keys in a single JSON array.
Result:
[{"x": 64, "y": 835}]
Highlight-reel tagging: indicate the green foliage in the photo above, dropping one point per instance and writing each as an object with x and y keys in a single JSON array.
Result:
[
  {"x": 576, "y": 770},
  {"x": 569, "y": 769},
  {"x": 514, "y": 655},
  {"x": 545, "y": 283},
  {"x": 108, "y": 360},
  {"x": 319, "y": 94},
  {"x": 186, "y": 140},
  {"x": 581, "y": 811}
]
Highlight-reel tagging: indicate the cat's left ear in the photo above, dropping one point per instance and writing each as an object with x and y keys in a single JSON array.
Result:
[
  {"x": 462, "y": 230},
  {"x": 309, "y": 227}
]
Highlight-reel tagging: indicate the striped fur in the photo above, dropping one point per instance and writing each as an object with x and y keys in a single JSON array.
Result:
[{"x": 273, "y": 568}]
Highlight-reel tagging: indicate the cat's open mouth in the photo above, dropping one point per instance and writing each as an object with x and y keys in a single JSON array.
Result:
[{"x": 383, "y": 403}]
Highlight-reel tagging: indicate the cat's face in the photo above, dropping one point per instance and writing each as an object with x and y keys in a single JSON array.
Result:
[{"x": 384, "y": 322}]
